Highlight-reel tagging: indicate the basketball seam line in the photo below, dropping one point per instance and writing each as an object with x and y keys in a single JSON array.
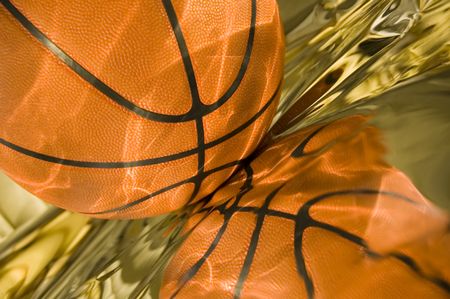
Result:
[
  {"x": 303, "y": 216},
  {"x": 138, "y": 163},
  {"x": 165, "y": 189},
  {"x": 195, "y": 96},
  {"x": 115, "y": 96},
  {"x": 192, "y": 271},
  {"x": 304, "y": 220},
  {"x": 254, "y": 240}
]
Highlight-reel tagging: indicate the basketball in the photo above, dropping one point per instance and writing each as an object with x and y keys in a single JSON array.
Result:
[
  {"x": 128, "y": 109},
  {"x": 317, "y": 214}
]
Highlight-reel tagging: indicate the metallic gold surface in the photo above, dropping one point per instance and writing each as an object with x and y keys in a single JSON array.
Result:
[
  {"x": 375, "y": 45},
  {"x": 386, "y": 58}
]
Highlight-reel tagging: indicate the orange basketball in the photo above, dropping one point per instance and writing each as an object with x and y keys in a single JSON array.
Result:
[
  {"x": 125, "y": 109},
  {"x": 316, "y": 215}
]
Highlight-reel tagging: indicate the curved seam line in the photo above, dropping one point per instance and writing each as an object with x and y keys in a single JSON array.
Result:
[
  {"x": 115, "y": 96},
  {"x": 138, "y": 163}
]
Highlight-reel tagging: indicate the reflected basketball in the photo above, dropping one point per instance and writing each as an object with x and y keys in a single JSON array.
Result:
[
  {"x": 318, "y": 214},
  {"x": 127, "y": 109}
]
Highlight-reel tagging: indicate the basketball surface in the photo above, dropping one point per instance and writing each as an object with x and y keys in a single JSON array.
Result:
[
  {"x": 318, "y": 214},
  {"x": 128, "y": 109}
]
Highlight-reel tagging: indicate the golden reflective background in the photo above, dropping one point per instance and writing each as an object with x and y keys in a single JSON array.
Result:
[{"x": 387, "y": 58}]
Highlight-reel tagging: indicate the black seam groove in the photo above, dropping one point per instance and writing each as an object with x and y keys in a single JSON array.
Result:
[
  {"x": 304, "y": 220},
  {"x": 245, "y": 62},
  {"x": 412, "y": 265},
  {"x": 81, "y": 71},
  {"x": 269, "y": 212},
  {"x": 195, "y": 96},
  {"x": 115, "y": 96},
  {"x": 300, "y": 150},
  {"x": 165, "y": 189},
  {"x": 248, "y": 261},
  {"x": 138, "y": 163},
  {"x": 192, "y": 271}
]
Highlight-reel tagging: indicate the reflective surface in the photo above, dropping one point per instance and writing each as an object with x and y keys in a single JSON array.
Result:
[
  {"x": 385, "y": 59},
  {"x": 366, "y": 48},
  {"x": 317, "y": 214}
]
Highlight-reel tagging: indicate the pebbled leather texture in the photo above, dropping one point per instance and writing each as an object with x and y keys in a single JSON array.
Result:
[
  {"x": 128, "y": 109},
  {"x": 317, "y": 214}
]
